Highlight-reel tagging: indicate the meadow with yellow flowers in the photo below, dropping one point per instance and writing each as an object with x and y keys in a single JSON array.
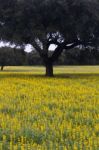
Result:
[{"x": 39, "y": 113}]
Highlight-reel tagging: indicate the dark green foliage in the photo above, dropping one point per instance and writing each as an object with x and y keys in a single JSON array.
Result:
[
  {"x": 65, "y": 23},
  {"x": 6, "y": 57},
  {"x": 33, "y": 59},
  {"x": 11, "y": 57}
]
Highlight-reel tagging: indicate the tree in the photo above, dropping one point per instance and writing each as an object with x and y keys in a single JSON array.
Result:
[
  {"x": 6, "y": 57},
  {"x": 11, "y": 57},
  {"x": 65, "y": 23}
]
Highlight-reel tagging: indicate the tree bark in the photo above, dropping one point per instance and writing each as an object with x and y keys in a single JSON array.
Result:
[
  {"x": 49, "y": 70},
  {"x": 2, "y": 68}
]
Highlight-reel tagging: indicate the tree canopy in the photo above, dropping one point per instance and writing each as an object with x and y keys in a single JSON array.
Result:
[{"x": 65, "y": 23}]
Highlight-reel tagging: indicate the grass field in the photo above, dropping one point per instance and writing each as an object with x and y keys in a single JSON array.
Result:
[{"x": 39, "y": 113}]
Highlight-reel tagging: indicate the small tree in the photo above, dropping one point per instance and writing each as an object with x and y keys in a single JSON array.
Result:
[{"x": 6, "y": 57}]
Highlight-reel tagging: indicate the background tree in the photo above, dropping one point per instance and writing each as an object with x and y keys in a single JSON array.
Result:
[
  {"x": 6, "y": 57},
  {"x": 11, "y": 57},
  {"x": 19, "y": 57},
  {"x": 65, "y": 23},
  {"x": 33, "y": 58}
]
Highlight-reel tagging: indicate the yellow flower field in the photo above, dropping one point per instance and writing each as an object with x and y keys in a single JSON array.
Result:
[{"x": 60, "y": 113}]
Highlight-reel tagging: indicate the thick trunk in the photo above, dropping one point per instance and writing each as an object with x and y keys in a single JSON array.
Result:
[
  {"x": 2, "y": 68},
  {"x": 49, "y": 70}
]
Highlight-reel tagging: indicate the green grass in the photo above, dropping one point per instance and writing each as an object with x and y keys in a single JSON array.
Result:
[{"x": 57, "y": 69}]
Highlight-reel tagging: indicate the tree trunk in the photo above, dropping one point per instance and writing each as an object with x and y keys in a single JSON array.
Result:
[
  {"x": 49, "y": 70},
  {"x": 2, "y": 68}
]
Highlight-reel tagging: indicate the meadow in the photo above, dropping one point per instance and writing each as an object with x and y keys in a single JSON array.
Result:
[{"x": 40, "y": 113}]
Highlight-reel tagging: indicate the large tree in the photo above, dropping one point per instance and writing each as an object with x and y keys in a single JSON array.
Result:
[{"x": 64, "y": 23}]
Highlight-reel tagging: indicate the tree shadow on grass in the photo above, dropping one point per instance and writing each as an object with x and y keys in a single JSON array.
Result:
[
  {"x": 20, "y": 74},
  {"x": 76, "y": 75}
]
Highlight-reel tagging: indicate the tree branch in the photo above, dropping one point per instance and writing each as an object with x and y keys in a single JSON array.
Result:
[
  {"x": 57, "y": 53},
  {"x": 41, "y": 52},
  {"x": 54, "y": 41},
  {"x": 37, "y": 48},
  {"x": 65, "y": 46}
]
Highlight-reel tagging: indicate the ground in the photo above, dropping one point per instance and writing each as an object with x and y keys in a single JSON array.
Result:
[{"x": 40, "y": 113}]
